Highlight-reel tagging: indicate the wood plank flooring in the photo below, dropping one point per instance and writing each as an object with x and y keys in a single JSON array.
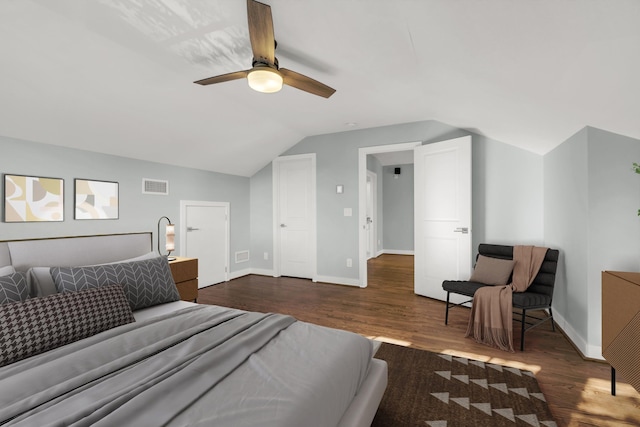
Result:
[{"x": 577, "y": 390}]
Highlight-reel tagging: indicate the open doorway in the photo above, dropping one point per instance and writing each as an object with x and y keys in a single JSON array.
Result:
[
  {"x": 387, "y": 153},
  {"x": 396, "y": 209}
]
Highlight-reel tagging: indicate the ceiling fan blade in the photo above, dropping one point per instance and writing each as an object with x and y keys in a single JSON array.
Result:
[
  {"x": 305, "y": 83},
  {"x": 261, "y": 32},
  {"x": 223, "y": 78}
]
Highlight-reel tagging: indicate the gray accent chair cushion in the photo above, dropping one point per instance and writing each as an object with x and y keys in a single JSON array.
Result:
[
  {"x": 146, "y": 283},
  {"x": 13, "y": 288},
  {"x": 41, "y": 324}
]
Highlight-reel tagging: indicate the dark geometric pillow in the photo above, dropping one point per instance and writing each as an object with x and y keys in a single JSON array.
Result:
[
  {"x": 13, "y": 288},
  {"x": 41, "y": 324},
  {"x": 146, "y": 283}
]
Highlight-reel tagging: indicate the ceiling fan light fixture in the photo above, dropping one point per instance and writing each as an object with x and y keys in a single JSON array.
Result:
[{"x": 265, "y": 79}]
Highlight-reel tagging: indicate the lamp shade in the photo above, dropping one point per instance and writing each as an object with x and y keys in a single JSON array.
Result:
[
  {"x": 170, "y": 235},
  {"x": 265, "y": 79}
]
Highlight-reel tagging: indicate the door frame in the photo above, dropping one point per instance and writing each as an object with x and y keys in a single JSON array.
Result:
[
  {"x": 373, "y": 246},
  {"x": 183, "y": 227},
  {"x": 276, "y": 212},
  {"x": 362, "y": 199}
]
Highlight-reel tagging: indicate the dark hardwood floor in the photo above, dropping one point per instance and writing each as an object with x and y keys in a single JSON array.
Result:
[{"x": 577, "y": 390}]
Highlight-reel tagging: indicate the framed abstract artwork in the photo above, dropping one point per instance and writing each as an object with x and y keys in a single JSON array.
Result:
[
  {"x": 96, "y": 199},
  {"x": 33, "y": 199}
]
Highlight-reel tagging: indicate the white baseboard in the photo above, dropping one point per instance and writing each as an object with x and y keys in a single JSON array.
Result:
[
  {"x": 248, "y": 271},
  {"x": 397, "y": 252},
  {"x": 337, "y": 280},
  {"x": 588, "y": 350},
  {"x": 267, "y": 272},
  {"x": 262, "y": 272},
  {"x": 239, "y": 273}
]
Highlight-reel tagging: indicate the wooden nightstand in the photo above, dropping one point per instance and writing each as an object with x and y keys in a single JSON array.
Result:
[{"x": 185, "y": 274}]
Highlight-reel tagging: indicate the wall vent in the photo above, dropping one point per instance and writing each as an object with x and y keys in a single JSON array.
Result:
[
  {"x": 242, "y": 256},
  {"x": 155, "y": 186}
]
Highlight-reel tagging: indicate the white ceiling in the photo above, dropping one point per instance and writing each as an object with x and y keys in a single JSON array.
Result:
[{"x": 116, "y": 76}]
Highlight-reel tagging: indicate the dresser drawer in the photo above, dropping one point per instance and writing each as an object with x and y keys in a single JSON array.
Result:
[
  {"x": 185, "y": 274},
  {"x": 188, "y": 290}
]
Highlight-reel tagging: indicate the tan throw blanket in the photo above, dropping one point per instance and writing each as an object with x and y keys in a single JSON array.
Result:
[{"x": 491, "y": 319}]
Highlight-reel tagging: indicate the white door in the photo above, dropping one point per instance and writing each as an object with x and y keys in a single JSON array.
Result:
[
  {"x": 206, "y": 237},
  {"x": 372, "y": 192},
  {"x": 294, "y": 182},
  {"x": 442, "y": 215}
]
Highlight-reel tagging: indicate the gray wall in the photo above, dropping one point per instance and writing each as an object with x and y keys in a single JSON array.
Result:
[
  {"x": 138, "y": 212},
  {"x": 262, "y": 220},
  {"x": 507, "y": 194},
  {"x": 398, "y": 208},
  {"x": 566, "y": 219},
  {"x": 507, "y": 189},
  {"x": 591, "y": 198}
]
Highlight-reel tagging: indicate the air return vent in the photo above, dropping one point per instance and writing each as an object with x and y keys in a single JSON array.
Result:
[
  {"x": 155, "y": 186},
  {"x": 242, "y": 256}
]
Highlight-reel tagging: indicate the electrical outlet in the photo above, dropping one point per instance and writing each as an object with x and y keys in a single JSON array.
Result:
[
  {"x": 349, "y": 262},
  {"x": 266, "y": 256}
]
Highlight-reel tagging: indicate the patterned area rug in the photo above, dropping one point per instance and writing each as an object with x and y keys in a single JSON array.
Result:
[{"x": 439, "y": 390}]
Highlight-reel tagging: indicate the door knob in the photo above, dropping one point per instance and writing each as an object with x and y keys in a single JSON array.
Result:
[
  {"x": 463, "y": 230},
  {"x": 283, "y": 225},
  {"x": 192, "y": 229}
]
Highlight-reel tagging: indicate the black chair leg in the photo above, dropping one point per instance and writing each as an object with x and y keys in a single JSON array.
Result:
[
  {"x": 524, "y": 313},
  {"x": 613, "y": 381},
  {"x": 553, "y": 325},
  {"x": 446, "y": 313}
]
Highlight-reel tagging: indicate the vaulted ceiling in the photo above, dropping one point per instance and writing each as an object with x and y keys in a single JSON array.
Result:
[{"x": 116, "y": 76}]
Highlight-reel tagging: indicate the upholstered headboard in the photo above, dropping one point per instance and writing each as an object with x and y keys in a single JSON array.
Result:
[{"x": 73, "y": 251}]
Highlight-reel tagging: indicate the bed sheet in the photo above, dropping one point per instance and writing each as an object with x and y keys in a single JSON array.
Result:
[{"x": 302, "y": 374}]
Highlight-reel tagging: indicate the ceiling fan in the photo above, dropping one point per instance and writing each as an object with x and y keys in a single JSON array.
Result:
[{"x": 266, "y": 76}]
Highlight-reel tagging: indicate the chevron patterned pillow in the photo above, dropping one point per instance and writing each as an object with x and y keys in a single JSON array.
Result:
[
  {"x": 13, "y": 288},
  {"x": 41, "y": 324},
  {"x": 146, "y": 283}
]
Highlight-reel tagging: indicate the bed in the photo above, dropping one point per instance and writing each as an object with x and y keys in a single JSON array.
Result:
[{"x": 122, "y": 349}]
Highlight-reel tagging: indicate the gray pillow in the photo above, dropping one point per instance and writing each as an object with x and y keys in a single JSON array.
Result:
[
  {"x": 7, "y": 270},
  {"x": 492, "y": 271},
  {"x": 41, "y": 283},
  {"x": 41, "y": 324},
  {"x": 146, "y": 283},
  {"x": 13, "y": 288}
]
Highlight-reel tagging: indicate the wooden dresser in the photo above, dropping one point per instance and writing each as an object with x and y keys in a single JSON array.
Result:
[
  {"x": 185, "y": 274},
  {"x": 621, "y": 325}
]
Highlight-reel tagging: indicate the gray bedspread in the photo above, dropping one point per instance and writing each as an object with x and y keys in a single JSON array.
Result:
[{"x": 204, "y": 365}]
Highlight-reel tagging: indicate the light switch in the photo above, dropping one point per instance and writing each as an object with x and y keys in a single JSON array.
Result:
[{"x": 348, "y": 212}]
